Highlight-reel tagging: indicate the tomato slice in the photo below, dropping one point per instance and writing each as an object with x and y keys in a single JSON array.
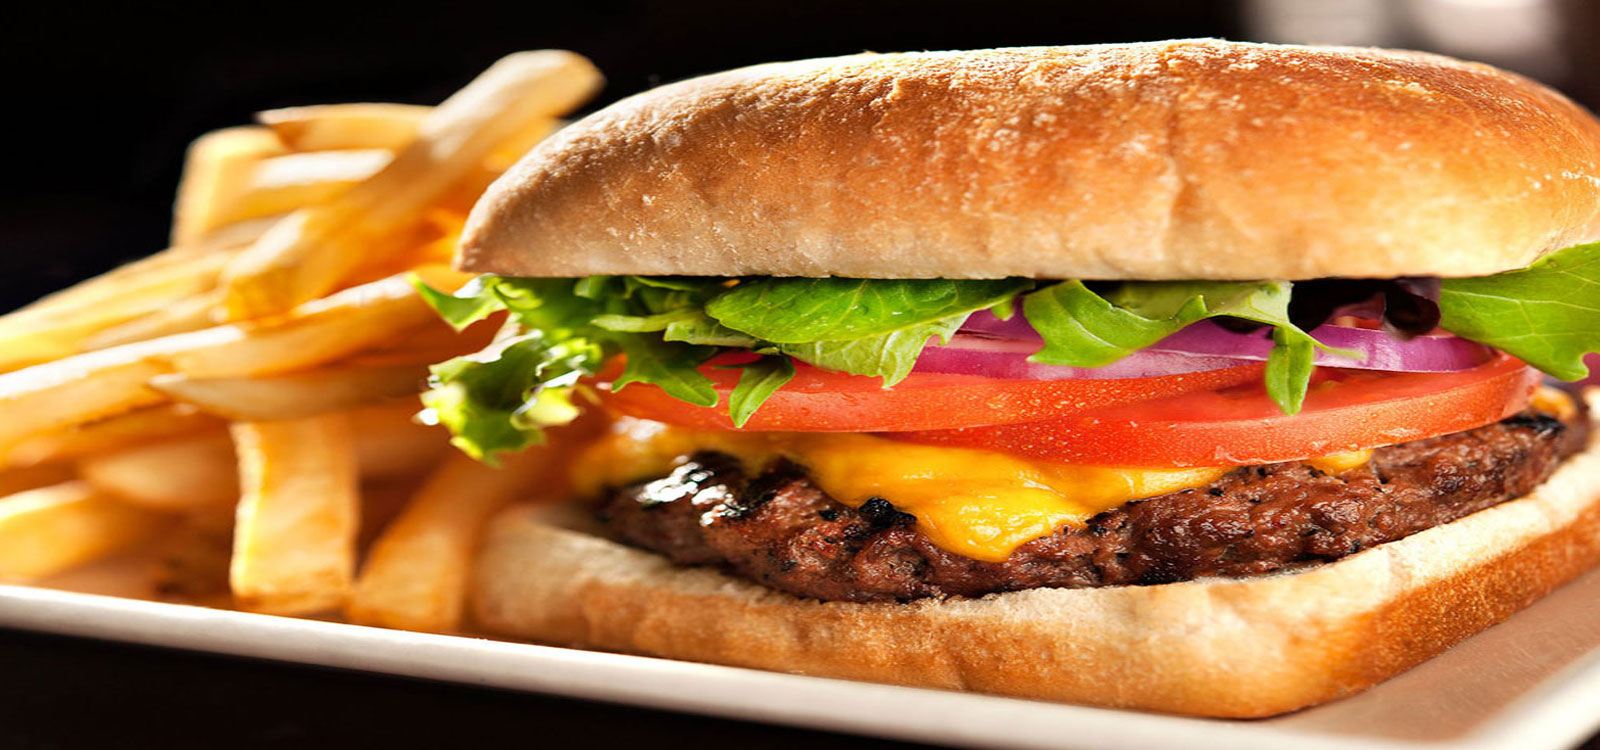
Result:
[
  {"x": 1346, "y": 410},
  {"x": 823, "y": 401}
]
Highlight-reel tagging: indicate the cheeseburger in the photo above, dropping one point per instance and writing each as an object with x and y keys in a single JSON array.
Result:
[{"x": 1194, "y": 376}]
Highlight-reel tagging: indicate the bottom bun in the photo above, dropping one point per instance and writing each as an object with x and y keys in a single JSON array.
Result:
[{"x": 1216, "y": 647}]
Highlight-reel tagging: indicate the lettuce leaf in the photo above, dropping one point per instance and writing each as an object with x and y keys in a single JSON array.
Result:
[
  {"x": 758, "y": 381},
  {"x": 1547, "y": 314},
  {"x": 889, "y": 356},
  {"x": 669, "y": 366},
  {"x": 499, "y": 399},
  {"x": 806, "y": 311}
]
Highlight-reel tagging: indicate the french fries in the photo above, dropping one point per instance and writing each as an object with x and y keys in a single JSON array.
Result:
[
  {"x": 280, "y": 184},
  {"x": 218, "y": 168},
  {"x": 242, "y": 403},
  {"x": 319, "y": 331},
  {"x": 301, "y": 394},
  {"x": 62, "y": 328},
  {"x": 308, "y": 254},
  {"x": 299, "y": 511},
  {"x": 345, "y": 126},
  {"x": 186, "y": 474},
  {"x": 111, "y": 381},
  {"x": 53, "y": 529}
]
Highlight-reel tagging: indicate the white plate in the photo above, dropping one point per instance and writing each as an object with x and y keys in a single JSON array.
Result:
[{"x": 1531, "y": 683}]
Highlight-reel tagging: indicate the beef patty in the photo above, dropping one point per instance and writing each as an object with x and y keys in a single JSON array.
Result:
[{"x": 772, "y": 525}]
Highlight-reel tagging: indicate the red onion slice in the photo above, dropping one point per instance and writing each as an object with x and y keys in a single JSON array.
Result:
[
  {"x": 1204, "y": 345},
  {"x": 1008, "y": 358},
  {"x": 1014, "y": 327},
  {"x": 1593, "y": 361},
  {"x": 1375, "y": 349}
]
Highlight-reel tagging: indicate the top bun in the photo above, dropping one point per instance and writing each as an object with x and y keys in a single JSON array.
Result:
[{"x": 1197, "y": 159}]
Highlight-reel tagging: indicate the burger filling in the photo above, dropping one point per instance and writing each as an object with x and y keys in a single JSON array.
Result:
[
  {"x": 867, "y": 439},
  {"x": 774, "y": 523}
]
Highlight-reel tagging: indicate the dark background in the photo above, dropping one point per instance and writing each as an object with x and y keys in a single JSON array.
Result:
[{"x": 101, "y": 99}]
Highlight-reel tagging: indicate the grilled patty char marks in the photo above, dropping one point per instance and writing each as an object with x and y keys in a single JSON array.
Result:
[{"x": 778, "y": 528}]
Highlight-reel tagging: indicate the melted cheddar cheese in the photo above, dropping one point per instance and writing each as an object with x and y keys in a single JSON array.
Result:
[
  {"x": 975, "y": 503},
  {"x": 1555, "y": 402},
  {"x": 1339, "y": 463}
]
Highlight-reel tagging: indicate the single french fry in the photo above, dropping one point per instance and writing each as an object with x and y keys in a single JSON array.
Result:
[
  {"x": 190, "y": 473},
  {"x": 294, "y": 543},
  {"x": 309, "y": 253},
  {"x": 324, "y": 127},
  {"x": 319, "y": 169},
  {"x": 53, "y": 331},
  {"x": 182, "y": 316},
  {"x": 295, "y": 395},
  {"x": 113, "y": 434},
  {"x": 90, "y": 386},
  {"x": 415, "y": 576},
  {"x": 78, "y": 389},
  {"x": 50, "y": 530},
  {"x": 391, "y": 445},
  {"x": 281, "y": 184},
  {"x": 216, "y": 169}
]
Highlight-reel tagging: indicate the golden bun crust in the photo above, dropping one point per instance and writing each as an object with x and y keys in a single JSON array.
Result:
[
  {"x": 1218, "y": 647},
  {"x": 1196, "y": 159}
]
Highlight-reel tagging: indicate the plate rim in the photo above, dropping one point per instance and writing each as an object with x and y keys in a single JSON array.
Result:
[{"x": 1556, "y": 713}]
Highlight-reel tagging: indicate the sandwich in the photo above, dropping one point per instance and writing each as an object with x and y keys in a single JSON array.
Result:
[{"x": 1198, "y": 377}]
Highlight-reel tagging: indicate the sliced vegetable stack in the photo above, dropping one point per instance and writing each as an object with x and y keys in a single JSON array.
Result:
[{"x": 1122, "y": 373}]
